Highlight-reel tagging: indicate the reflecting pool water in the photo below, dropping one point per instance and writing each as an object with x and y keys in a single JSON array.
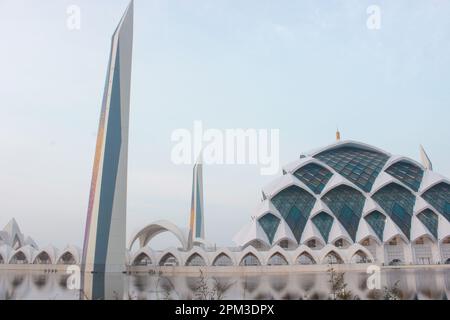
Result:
[{"x": 424, "y": 283}]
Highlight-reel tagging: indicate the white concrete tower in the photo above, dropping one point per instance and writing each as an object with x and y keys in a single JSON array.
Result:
[{"x": 104, "y": 242}]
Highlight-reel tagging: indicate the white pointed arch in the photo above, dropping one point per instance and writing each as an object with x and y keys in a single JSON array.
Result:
[
  {"x": 330, "y": 249},
  {"x": 143, "y": 251},
  {"x": 50, "y": 251},
  {"x": 276, "y": 250},
  {"x": 426, "y": 236},
  {"x": 374, "y": 238},
  {"x": 322, "y": 244},
  {"x": 257, "y": 244},
  {"x": 74, "y": 251},
  {"x": 314, "y": 254},
  {"x": 395, "y": 235},
  {"x": 353, "y": 250},
  {"x": 250, "y": 250},
  {"x": 26, "y": 251},
  {"x": 197, "y": 251},
  {"x": 173, "y": 252},
  {"x": 224, "y": 251},
  {"x": 291, "y": 242}
]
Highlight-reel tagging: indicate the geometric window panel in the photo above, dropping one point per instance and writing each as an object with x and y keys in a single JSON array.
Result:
[
  {"x": 357, "y": 165},
  {"x": 429, "y": 220},
  {"x": 294, "y": 205},
  {"x": 398, "y": 202},
  {"x": 408, "y": 173},
  {"x": 377, "y": 221},
  {"x": 347, "y": 204},
  {"x": 323, "y": 221},
  {"x": 314, "y": 176},
  {"x": 269, "y": 224},
  {"x": 439, "y": 197}
]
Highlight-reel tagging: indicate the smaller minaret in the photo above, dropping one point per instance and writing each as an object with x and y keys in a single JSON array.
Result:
[
  {"x": 426, "y": 162},
  {"x": 196, "y": 225},
  {"x": 338, "y": 135}
]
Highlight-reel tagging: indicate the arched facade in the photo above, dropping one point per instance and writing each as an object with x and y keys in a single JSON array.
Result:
[
  {"x": 223, "y": 260},
  {"x": 70, "y": 255},
  {"x": 349, "y": 194}
]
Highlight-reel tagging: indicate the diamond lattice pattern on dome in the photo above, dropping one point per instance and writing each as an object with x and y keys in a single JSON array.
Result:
[
  {"x": 377, "y": 221},
  {"x": 347, "y": 204},
  {"x": 408, "y": 173},
  {"x": 269, "y": 224},
  {"x": 314, "y": 176},
  {"x": 439, "y": 197},
  {"x": 360, "y": 166},
  {"x": 294, "y": 205},
  {"x": 323, "y": 222},
  {"x": 430, "y": 221},
  {"x": 398, "y": 202}
]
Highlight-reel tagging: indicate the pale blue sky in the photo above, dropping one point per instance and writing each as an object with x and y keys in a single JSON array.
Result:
[{"x": 304, "y": 67}]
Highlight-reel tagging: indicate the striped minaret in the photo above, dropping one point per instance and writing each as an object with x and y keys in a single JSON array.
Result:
[
  {"x": 196, "y": 226},
  {"x": 104, "y": 239}
]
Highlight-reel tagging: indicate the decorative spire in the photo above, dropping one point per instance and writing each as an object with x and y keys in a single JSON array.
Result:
[
  {"x": 338, "y": 135},
  {"x": 426, "y": 162}
]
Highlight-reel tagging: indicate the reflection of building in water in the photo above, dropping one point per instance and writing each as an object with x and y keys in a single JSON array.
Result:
[
  {"x": 413, "y": 284},
  {"x": 292, "y": 286},
  {"x": 103, "y": 286}
]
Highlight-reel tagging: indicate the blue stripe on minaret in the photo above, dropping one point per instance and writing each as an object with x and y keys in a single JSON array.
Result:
[
  {"x": 198, "y": 211},
  {"x": 110, "y": 168}
]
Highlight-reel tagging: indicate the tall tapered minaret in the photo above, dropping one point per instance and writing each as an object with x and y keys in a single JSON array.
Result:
[
  {"x": 196, "y": 226},
  {"x": 104, "y": 240}
]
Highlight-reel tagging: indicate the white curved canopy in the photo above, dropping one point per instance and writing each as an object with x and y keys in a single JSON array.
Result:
[{"x": 150, "y": 231}]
